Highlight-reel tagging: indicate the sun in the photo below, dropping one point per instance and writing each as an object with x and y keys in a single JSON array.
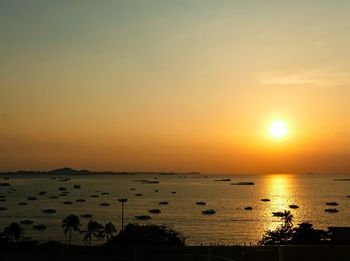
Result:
[{"x": 278, "y": 129}]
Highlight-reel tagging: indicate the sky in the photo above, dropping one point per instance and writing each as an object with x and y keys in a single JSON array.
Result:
[{"x": 175, "y": 85}]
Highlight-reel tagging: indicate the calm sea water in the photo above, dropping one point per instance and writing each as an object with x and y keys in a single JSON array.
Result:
[{"x": 231, "y": 224}]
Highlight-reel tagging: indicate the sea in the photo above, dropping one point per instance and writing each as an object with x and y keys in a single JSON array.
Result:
[{"x": 231, "y": 224}]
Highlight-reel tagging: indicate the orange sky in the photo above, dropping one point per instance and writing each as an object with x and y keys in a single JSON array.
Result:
[{"x": 175, "y": 86}]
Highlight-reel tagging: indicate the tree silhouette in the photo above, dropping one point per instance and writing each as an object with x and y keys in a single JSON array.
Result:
[
  {"x": 94, "y": 229},
  {"x": 108, "y": 231},
  {"x": 123, "y": 200},
  {"x": 13, "y": 232},
  {"x": 135, "y": 234},
  {"x": 288, "y": 219},
  {"x": 69, "y": 224}
]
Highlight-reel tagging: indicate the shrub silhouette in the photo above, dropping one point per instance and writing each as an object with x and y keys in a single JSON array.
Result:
[
  {"x": 135, "y": 234},
  {"x": 304, "y": 234}
]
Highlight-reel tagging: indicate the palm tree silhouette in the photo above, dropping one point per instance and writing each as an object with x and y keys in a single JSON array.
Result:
[
  {"x": 288, "y": 219},
  {"x": 109, "y": 230},
  {"x": 123, "y": 200},
  {"x": 93, "y": 229},
  {"x": 69, "y": 224},
  {"x": 13, "y": 231}
]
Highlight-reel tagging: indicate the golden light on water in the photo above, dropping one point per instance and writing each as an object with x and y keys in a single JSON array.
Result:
[{"x": 279, "y": 188}]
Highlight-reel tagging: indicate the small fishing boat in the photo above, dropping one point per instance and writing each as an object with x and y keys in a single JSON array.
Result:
[
  {"x": 209, "y": 212},
  {"x": 248, "y": 208},
  {"x": 244, "y": 183},
  {"x": 331, "y": 210},
  {"x": 154, "y": 211},
  {"x": 265, "y": 200},
  {"x": 201, "y": 203},
  {"x": 86, "y": 216},
  {"x": 164, "y": 203},
  {"x": 49, "y": 211},
  {"x": 278, "y": 214},
  {"x": 26, "y": 222},
  {"x": 39, "y": 227},
  {"x": 332, "y": 204},
  {"x": 143, "y": 217},
  {"x": 104, "y": 204},
  {"x": 293, "y": 206}
]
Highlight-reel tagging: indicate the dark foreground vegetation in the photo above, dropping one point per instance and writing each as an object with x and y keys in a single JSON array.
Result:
[{"x": 137, "y": 242}]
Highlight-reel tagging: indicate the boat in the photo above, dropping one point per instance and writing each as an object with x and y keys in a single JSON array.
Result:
[
  {"x": 156, "y": 190},
  {"x": 41, "y": 193},
  {"x": 54, "y": 197},
  {"x": 265, "y": 199},
  {"x": 243, "y": 183},
  {"x": 5, "y": 184},
  {"x": 105, "y": 193},
  {"x": 3, "y": 208},
  {"x": 293, "y": 206},
  {"x": 86, "y": 216},
  {"x": 22, "y": 203},
  {"x": 68, "y": 202},
  {"x": 278, "y": 214},
  {"x": 49, "y": 211},
  {"x": 138, "y": 194},
  {"x": 2, "y": 200},
  {"x": 173, "y": 192},
  {"x": 132, "y": 188},
  {"x": 143, "y": 217},
  {"x": 62, "y": 189},
  {"x": 104, "y": 204},
  {"x": 222, "y": 180},
  {"x": 248, "y": 208},
  {"x": 93, "y": 196},
  {"x": 332, "y": 204},
  {"x": 26, "y": 222},
  {"x": 39, "y": 227},
  {"x": 80, "y": 200},
  {"x": 76, "y": 186},
  {"x": 201, "y": 203},
  {"x": 331, "y": 210},
  {"x": 32, "y": 198},
  {"x": 164, "y": 203},
  {"x": 154, "y": 211},
  {"x": 209, "y": 212}
]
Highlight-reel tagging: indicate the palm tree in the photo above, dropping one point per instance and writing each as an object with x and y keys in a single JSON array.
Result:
[
  {"x": 14, "y": 231},
  {"x": 123, "y": 200},
  {"x": 93, "y": 229},
  {"x": 109, "y": 230},
  {"x": 70, "y": 223},
  {"x": 288, "y": 219}
]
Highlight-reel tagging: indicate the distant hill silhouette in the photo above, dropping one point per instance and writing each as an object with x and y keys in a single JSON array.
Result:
[{"x": 66, "y": 171}]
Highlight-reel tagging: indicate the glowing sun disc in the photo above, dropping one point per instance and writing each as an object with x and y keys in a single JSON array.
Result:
[{"x": 278, "y": 129}]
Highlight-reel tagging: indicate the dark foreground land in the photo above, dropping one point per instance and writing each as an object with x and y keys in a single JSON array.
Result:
[{"x": 168, "y": 253}]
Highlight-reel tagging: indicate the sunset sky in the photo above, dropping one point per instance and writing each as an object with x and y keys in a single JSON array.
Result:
[{"x": 175, "y": 85}]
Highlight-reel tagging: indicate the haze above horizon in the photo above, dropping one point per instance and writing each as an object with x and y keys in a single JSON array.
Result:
[{"x": 209, "y": 86}]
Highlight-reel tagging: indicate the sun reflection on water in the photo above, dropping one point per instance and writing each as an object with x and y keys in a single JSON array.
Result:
[{"x": 279, "y": 188}]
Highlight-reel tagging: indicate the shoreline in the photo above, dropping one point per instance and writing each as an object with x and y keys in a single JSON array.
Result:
[{"x": 154, "y": 253}]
